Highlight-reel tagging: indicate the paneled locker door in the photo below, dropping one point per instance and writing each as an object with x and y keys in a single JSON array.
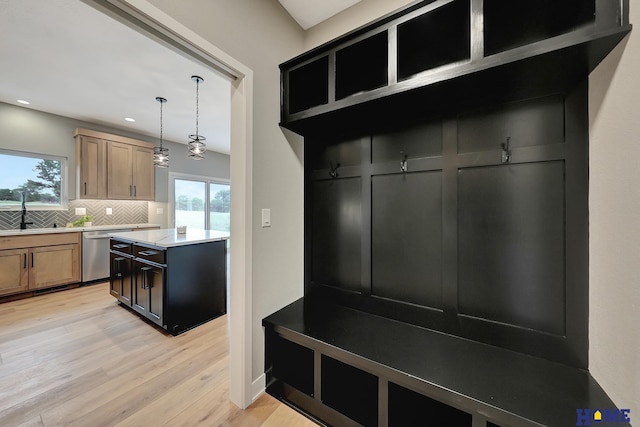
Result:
[
  {"x": 511, "y": 250},
  {"x": 337, "y": 211},
  {"x": 406, "y": 237}
]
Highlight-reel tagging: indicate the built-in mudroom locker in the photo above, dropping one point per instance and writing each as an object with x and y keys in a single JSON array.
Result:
[{"x": 446, "y": 218}]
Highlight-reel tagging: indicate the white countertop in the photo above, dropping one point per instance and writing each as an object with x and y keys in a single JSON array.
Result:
[
  {"x": 74, "y": 229},
  {"x": 169, "y": 237}
]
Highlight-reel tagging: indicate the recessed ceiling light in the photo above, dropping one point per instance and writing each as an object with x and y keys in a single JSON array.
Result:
[
  {"x": 129, "y": 119},
  {"x": 22, "y": 101}
]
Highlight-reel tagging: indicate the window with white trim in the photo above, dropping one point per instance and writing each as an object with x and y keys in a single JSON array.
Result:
[
  {"x": 201, "y": 202},
  {"x": 41, "y": 179}
]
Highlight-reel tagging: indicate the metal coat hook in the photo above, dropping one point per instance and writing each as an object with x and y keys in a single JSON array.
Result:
[
  {"x": 403, "y": 162},
  {"x": 333, "y": 172},
  {"x": 506, "y": 151}
]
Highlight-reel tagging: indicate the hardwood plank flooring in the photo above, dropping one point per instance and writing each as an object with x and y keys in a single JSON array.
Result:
[{"x": 78, "y": 358}]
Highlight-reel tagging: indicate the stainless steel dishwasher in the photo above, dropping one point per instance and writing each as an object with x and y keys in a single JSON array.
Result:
[{"x": 95, "y": 254}]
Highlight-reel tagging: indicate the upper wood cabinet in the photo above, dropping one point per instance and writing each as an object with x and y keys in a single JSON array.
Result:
[
  {"x": 113, "y": 167},
  {"x": 130, "y": 173},
  {"x": 434, "y": 55},
  {"x": 92, "y": 163}
]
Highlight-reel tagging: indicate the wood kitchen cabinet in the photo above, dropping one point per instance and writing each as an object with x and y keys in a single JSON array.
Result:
[
  {"x": 15, "y": 277},
  {"x": 35, "y": 262},
  {"x": 130, "y": 173},
  {"x": 54, "y": 265},
  {"x": 92, "y": 164},
  {"x": 114, "y": 167}
]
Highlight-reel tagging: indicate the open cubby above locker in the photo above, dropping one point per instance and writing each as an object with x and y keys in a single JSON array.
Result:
[
  {"x": 509, "y": 24},
  {"x": 431, "y": 44},
  {"x": 362, "y": 66},
  {"x": 421, "y": 40},
  {"x": 309, "y": 85}
]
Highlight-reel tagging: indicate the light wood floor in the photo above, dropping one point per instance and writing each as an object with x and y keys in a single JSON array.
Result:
[{"x": 76, "y": 358}]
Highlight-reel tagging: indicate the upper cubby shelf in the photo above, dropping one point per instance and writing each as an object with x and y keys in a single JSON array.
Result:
[{"x": 435, "y": 53}]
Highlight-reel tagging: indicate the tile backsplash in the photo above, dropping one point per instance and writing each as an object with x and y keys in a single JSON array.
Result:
[{"x": 123, "y": 212}]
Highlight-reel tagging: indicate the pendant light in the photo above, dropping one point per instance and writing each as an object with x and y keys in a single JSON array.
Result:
[
  {"x": 160, "y": 154},
  {"x": 196, "y": 144}
]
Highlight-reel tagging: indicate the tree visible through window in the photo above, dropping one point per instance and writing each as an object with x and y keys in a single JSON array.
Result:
[
  {"x": 40, "y": 179},
  {"x": 219, "y": 207}
]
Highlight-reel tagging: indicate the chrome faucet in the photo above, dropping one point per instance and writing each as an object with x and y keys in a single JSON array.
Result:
[{"x": 23, "y": 224}]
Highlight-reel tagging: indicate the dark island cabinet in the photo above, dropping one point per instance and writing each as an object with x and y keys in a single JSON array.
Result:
[
  {"x": 176, "y": 287},
  {"x": 121, "y": 279},
  {"x": 149, "y": 278},
  {"x": 439, "y": 53}
]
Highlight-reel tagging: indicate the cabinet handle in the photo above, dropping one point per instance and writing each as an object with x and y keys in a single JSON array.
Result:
[
  {"x": 25, "y": 261},
  {"x": 32, "y": 260},
  {"x": 135, "y": 191},
  {"x": 147, "y": 253},
  {"x": 149, "y": 280},
  {"x": 116, "y": 266},
  {"x": 85, "y": 188},
  {"x": 145, "y": 277}
]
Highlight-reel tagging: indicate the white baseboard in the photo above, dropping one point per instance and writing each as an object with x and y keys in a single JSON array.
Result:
[{"x": 257, "y": 387}]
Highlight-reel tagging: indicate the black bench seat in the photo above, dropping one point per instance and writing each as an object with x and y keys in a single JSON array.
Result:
[{"x": 493, "y": 386}]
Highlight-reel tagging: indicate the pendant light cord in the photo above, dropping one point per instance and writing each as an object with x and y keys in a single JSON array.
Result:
[
  {"x": 161, "y": 124},
  {"x": 197, "y": 103}
]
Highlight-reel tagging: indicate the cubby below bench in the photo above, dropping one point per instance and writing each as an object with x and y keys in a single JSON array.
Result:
[{"x": 344, "y": 367}]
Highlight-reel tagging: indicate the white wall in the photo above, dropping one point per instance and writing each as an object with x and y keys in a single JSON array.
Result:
[
  {"x": 614, "y": 215},
  {"x": 261, "y": 35}
]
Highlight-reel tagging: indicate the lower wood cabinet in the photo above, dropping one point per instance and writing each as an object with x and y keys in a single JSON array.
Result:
[
  {"x": 15, "y": 273},
  {"x": 54, "y": 265},
  {"x": 39, "y": 261}
]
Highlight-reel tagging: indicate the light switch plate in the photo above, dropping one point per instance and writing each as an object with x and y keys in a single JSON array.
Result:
[
  {"x": 109, "y": 211},
  {"x": 266, "y": 218},
  {"x": 81, "y": 211},
  {"x": 159, "y": 211}
]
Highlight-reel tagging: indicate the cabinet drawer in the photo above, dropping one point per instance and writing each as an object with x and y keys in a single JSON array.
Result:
[
  {"x": 123, "y": 247},
  {"x": 150, "y": 254},
  {"x": 35, "y": 240}
]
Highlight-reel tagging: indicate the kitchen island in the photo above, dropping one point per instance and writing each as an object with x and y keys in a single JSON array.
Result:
[{"x": 177, "y": 281}]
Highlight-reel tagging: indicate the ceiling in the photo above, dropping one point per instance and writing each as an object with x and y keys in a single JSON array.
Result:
[
  {"x": 308, "y": 13},
  {"x": 69, "y": 59}
]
